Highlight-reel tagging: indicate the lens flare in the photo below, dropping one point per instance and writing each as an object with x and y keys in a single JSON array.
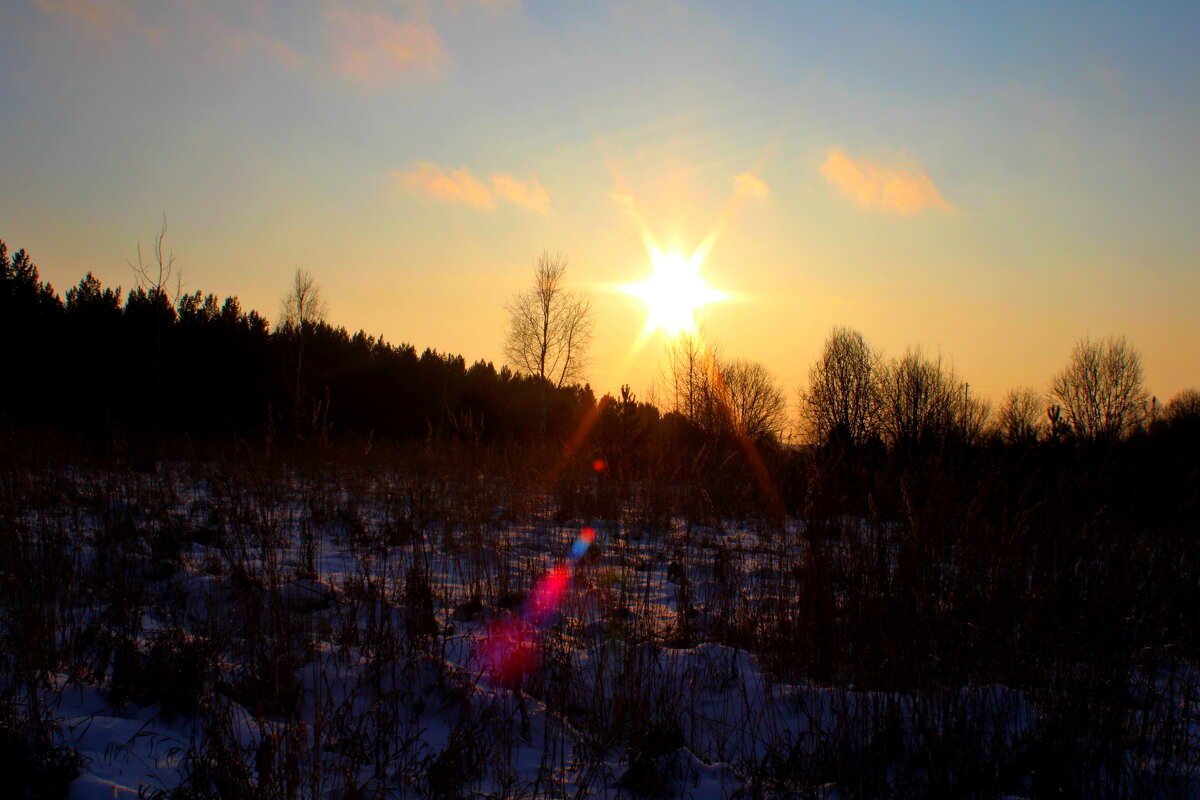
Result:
[
  {"x": 510, "y": 649},
  {"x": 674, "y": 292}
]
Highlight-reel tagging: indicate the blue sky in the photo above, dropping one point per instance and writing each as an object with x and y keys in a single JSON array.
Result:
[{"x": 988, "y": 181}]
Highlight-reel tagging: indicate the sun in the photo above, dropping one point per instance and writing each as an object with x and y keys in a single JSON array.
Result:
[{"x": 673, "y": 292}]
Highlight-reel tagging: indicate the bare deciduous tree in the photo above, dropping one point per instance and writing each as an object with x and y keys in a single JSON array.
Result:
[
  {"x": 690, "y": 376},
  {"x": 971, "y": 415},
  {"x": 1101, "y": 390},
  {"x": 303, "y": 308},
  {"x": 754, "y": 405},
  {"x": 1020, "y": 416},
  {"x": 549, "y": 329},
  {"x": 300, "y": 312},
  {"x": 154, "y": 280},
  {"x": 723, "y": 396},
  {"x": 842, "y": 400},
  {"x": 1183, "y": 406},
  {"x": 920, "y": 399},
  {"x": 549, "y": 326}
]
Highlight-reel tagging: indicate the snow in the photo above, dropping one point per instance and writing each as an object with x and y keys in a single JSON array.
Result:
[{"x": 622, "y": 641}]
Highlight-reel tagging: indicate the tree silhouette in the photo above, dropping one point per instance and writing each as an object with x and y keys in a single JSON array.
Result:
[
  {"x": 921, "y": 400},
  {"x": 1019, "y": 418},
  {"x": 723, "y": 396},
  {"x": 755, "y": 405},
  {"x": 549, "y": 328},
  {"x": 1183, "y": 406},
  {"x": 691, "y": 377},
  {"x": 841, "y": 404},
  {"x": 153, "y": 280},
  {"x": 302, "y": 310},
  {"x": 30, "y": 337},
  {"x": 88, "y": 298},
  {"x": 1101, "y": 390}
]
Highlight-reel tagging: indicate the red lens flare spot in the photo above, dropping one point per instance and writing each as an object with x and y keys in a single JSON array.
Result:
[
  {"x": 599, "y": 465},
  {"x": 511, "y": 648},
  {"x": 588, "y": 535},
  {"x": 548, "y": 595},
  {"x": 510, "y": 651}
]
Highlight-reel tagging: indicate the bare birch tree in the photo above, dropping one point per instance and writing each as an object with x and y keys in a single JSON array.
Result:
[
  {"x": 690, "y": 375},
  {"x": 302, "y": 310},
  {"x": 720, "y": 395},
  {"x": 549, "y": 328},
  {"x": 154, "y": 279}
]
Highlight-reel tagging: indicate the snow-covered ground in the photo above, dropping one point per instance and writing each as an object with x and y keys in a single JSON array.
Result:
[{"x": 317, "y": 637}]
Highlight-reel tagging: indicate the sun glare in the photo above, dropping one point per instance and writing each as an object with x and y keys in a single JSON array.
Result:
[{"x": 673, "y": 292}]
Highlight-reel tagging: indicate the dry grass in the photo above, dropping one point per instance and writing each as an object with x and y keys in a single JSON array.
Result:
[{"x": 985, "y": 624}]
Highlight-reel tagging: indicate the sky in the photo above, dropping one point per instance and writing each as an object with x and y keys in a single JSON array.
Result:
[{"x": 989, "y": 182}]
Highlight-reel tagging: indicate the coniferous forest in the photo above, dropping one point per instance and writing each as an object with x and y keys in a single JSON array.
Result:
[{"x": 240, "y": 559}]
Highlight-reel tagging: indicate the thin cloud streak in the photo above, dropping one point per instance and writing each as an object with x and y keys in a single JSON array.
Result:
[
  {"x": 106, "y": 17},
  {"x": 229, "y": 42},
  {"x": 497, "y": 7},
  {"x": 459, "y": 186},
  {"x": 201, "y": 32},
  {"x": 529, "y": 196},
  {"x": 892, "y": 189},
  {"x": 750, "y": 185},
  {"x": 368, "y": 45},
  {"x": 370, "y": 48}
]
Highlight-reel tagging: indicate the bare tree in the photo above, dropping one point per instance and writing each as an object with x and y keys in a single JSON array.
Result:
[
  {"x": 842, "y": 401},
  {"x": 549, "y": 328},
  {"x": 154, "y": 280},
  {"x": 691, "y": 376},
  {"x": 754, "y": 405},
  {"x": 1183, "y": 406},
  {"x": 1101, "y": 390},
  {"x": 971, "y": 414},
  {"x": 302, "y": 310},
  {"x": 1020, "y": 416},
  {"x": 723, "y": 396},
  {"x": 920, "y": 399},
  {"x": 303, "y": 307},
  {"x": 154, "y": 277}
]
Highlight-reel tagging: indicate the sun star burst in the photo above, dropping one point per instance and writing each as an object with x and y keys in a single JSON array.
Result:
[{"x": 673, "y": 292}]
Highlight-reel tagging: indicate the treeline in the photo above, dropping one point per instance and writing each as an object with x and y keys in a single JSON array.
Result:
[
  {"x": 113, "y": 367},
  {"x": 857, "y": 398},
  {"x": 101, "y": 361}
]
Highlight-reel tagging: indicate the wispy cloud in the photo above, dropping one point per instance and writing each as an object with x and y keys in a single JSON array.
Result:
[
  {"x": 227, "y": 40},
  {"x": 249, "y": 40},
  {"x": 460, "y": 186},
  {"x": 211, "y": 34},
  {"x": 750, "y": 185},
  {"x": 530, "y": 196},
  {"x": 890, "y": 188},
  {"x": 448, "y": 186},
  {"x": 494, "y": 6},
  {"x": 370, "y": 43},
  {"x": 371, "y": 47},
  {"x": 106, "y": 17}
]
